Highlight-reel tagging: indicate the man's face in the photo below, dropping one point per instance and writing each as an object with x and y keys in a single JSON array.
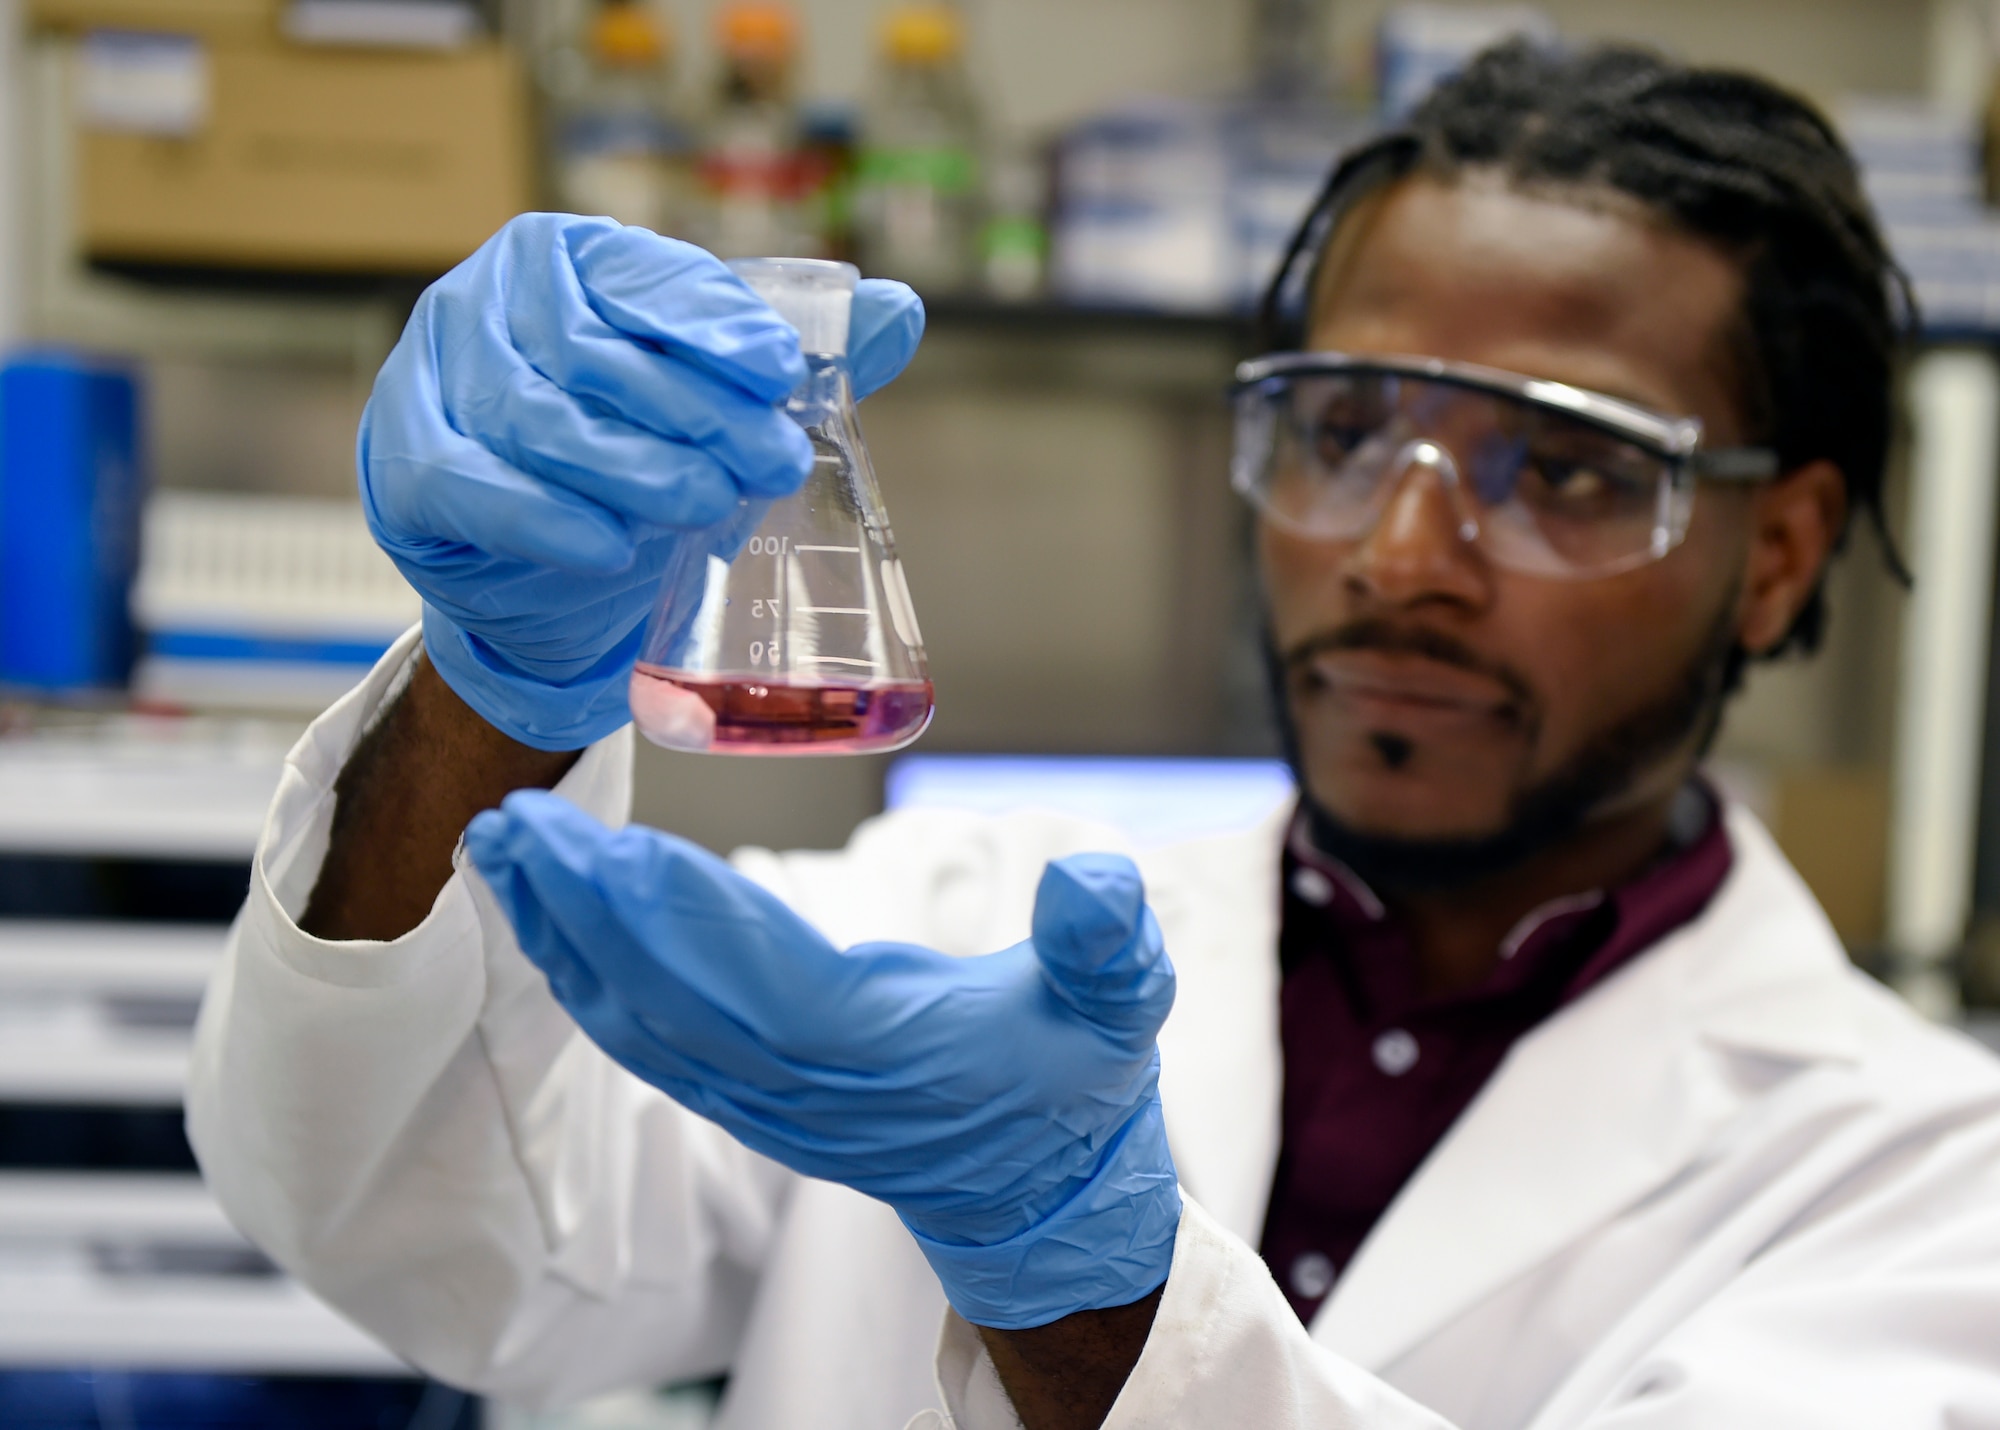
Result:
[{"x": 1433, "y": 694}]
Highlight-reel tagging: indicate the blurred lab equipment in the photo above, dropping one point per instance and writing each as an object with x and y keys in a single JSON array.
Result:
[
  {"x": 1921, "y": 166},
  {"x": 232, "y": 147},
  {"x": 1014, "y": 240},
  {"x": 619, "y": 147},
  {"x": 789, "y": 629},
  {"x": 827, "y": 160},
  {"x": 1187, "y": 205},
  {"x": 1420, "y": 43},
  {"x": 1141, "y": 214},
  {"x": 917, "y": 199},
  {"x": 103, "y": 1398},
  {"x": 248, "y": 601},
  {"x": 383, "y": 24},
  {"x": 1152, "y": 801},
  {"x": 753, "y": 181},
  {"x": 72, "y": 476},
  {"x": 1922, "y": 169},
  {"x": 125, "y": 845}
]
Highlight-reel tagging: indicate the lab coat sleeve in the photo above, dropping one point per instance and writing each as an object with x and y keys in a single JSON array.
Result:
[
  {"x": 417, "y": 1131},
  {"x": 1225, "y": 1351}
]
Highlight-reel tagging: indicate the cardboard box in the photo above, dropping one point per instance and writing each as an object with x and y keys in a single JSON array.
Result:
[
  {"x": 1833, "y": 824},
  {"x": 314, "y": 160},
  {"x": 205, "y": 19}
]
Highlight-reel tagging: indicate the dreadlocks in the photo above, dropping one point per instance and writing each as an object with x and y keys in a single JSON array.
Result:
[{"x": 1727, "y": 157}]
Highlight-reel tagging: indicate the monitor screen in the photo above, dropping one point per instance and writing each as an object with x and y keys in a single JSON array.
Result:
[{"x": 1152, "y": 800}]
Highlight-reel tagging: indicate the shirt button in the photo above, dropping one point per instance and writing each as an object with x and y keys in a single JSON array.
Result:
[
  {"x": 1395, "y": 1052},
  {"x": 1311, "y": 1274},
  {"x": 1312, "y": 886}
]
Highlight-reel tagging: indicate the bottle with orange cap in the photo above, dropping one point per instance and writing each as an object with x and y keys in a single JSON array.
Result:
[
  {"x": 619, "y": 146},
  {"x": 917, "y": 199},
  {"x": 753, "y": 178}
]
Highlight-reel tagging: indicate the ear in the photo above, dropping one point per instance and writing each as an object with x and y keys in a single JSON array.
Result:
[{"x": 1795, "y": 523}]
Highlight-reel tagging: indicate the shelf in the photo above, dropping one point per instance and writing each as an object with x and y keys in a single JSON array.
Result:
[
  {"x": 36, "y": 1205},
  {"x": 67, "y": 301},
  {"x": 139, "y": 789},
  {"x": 100, "y": 1014},
  {"x": 145, "y": 1272},
  {"x": 163, "y": 960}
]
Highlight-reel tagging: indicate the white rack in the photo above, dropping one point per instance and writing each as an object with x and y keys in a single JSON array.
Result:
[
  {"x": 260, "y": 565},
  {"x": 145, "y": 1272},
  {"x": 96, "y": 1013},
  {"x": 141, "y": 1271},
  {"x": 261, "y": 602},
  {"x": 140, "y": 788}
]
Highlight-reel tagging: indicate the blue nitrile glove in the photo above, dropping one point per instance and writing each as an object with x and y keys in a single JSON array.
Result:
[
  {"x": 1006, "y": 1106},
  {"x": 562, "y": 407}
]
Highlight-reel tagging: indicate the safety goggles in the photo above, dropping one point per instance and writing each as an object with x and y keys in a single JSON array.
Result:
[{"x": 1546, "y": 479}]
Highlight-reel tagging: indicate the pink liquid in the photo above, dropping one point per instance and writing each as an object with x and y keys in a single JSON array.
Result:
[{"x": 738, "y": 715}]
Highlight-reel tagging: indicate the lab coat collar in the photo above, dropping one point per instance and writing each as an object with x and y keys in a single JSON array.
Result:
[
  {"x": 1602, "y": 1103},
  {"x": 1221, "y": 1066}
]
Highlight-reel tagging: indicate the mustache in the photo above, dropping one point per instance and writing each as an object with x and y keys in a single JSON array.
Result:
[{"x": 1388, "y": 638}]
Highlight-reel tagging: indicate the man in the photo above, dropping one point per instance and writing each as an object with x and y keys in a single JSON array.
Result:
[{"x": 1535, "y": 1073}]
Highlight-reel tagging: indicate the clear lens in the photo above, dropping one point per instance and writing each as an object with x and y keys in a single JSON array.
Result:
[{"x": 1538, "y": 488}]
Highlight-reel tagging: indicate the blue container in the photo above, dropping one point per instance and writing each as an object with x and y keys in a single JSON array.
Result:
[{"x": 71, "y": 484}]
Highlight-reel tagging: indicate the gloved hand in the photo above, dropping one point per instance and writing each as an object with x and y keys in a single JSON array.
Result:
[
  {"x": 562, "y": 407},
  {"x": 1006, "y": 1106}
]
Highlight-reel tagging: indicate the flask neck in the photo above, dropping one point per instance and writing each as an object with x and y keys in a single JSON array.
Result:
[{"x": 828, "y": 390}]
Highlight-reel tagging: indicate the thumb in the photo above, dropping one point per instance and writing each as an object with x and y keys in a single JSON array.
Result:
[
  {"x": 883, "y": 334},
  {"x": 1100, "y": 947}
]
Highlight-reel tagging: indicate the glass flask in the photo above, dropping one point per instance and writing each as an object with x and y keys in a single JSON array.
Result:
[{"x": 788, "y": 629}]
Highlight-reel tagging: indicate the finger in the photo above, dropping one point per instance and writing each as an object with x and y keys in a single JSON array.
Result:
[
  {"x": 554, "y": 352},
  {"x": 425, "y": 498},
  {"x": 574, "y": 983},
  {"x": 707, "y": 981},
  {"x": 641, "y": 476},
  {"x": 549, "y": 284},
  {"x": 1099, "y": 945},
  {"x": 883, "y": 334},
  {"x": 540, "y": 855},
  {"x": 487, "y": 839},
  {"x": 406, "y": 443},
  {"x": 687, "y": 301},
  {"x": 495, "y": 841},
  {"x": 684, "y": 940},
  {"x": 759, "y": 444},
  {"x": 700, "y": 359},
  {"x": 463, "y": 497}
]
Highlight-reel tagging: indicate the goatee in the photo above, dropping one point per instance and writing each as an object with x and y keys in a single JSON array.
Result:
[{"x": 1609, "y": 765}]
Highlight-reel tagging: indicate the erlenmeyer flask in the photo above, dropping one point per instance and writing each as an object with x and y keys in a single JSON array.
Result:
[{"x": 789, "y": 630}]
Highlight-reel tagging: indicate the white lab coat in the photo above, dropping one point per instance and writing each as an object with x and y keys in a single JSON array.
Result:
[{"x": 1735, "y": 1185}]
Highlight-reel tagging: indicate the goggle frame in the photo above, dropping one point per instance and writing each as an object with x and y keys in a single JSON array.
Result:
[{"x": 1675, "y": 441}]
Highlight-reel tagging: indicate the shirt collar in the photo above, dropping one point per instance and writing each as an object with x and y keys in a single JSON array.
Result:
[{"x": 1623, "y": 921}]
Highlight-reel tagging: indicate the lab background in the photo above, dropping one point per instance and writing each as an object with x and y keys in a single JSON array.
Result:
[{"x": 215, "y": 214}]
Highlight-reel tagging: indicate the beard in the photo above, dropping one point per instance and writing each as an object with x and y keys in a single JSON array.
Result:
[{"x": 1609, "y": 764}]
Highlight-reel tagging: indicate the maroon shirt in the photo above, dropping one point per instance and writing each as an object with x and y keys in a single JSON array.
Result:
[{"x": 1376, "y": 1073}]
